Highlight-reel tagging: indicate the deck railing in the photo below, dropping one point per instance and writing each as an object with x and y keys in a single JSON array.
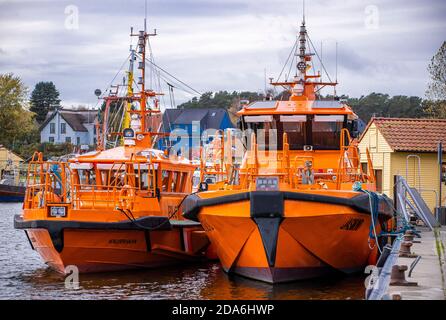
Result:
[{"x": 50, "y": 182}]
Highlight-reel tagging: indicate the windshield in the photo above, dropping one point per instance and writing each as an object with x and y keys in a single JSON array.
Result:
[
  {"x": 265, "y": 129},
  {"x": 322, "y": 132},
  {"x": 295, "y": 128},
  {"x": 326, "y": 132}
]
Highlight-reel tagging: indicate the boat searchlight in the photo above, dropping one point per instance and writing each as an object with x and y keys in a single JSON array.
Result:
[{"x": 129, "y": 137}]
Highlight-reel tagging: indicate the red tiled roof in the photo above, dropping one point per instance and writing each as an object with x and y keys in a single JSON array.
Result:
[{"x": 420, "y": 135}]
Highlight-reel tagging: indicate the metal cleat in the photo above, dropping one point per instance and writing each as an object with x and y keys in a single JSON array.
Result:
[
  {"x": 405, "y": 250},
  {"x": 398, "y": 277}
]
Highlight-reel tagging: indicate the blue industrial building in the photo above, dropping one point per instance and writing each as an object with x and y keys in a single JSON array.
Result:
[{"x": 193, "y": 122}]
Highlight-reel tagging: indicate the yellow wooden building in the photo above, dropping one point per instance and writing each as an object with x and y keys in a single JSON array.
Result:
[
  {"x": 406, "y": 147},
  {"x": 8, "y": 156}
]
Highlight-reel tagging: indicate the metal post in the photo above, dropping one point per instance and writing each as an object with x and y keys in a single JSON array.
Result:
[
  {"x": 396, "y": 201},
  {"x": 440, "y": 164}
]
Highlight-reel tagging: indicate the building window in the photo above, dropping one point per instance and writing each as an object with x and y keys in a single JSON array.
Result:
[
  {"x": 373, "y": 137},
  {"x": 52, "y": 128},
  {"x": 63, "y": 128},
  {"x": 78, "y": 141},
  {"x": 51, "y": 139},
  {"x": 68, "y": 139}
]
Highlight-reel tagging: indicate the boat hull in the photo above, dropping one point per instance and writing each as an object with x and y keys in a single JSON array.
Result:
[
  {"x": 309, "y": 239},
  {"x": 11, "y": 193},
  {"x": 111, "y": 249}
]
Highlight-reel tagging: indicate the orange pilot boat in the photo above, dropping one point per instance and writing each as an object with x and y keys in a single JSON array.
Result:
[
  {"x": 114, "y": 209},
  {"x": 299, "y": 206}
]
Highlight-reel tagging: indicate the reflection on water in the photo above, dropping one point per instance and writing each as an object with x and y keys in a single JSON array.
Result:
[{"x": 24, "y": 276}]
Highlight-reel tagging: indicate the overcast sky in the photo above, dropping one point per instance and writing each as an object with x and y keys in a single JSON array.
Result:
[{"x": 384, "y": 46}]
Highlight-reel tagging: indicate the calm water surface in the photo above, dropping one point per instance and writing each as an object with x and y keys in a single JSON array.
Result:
[{"x": 24, "y": 276}]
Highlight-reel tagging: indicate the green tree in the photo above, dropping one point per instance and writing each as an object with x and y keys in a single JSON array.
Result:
[
  {"x": 367, "y": 106},
  {"x": 18, "y": 128},
  {"x": 405, "y": 107},
  {"x": 382, "y": 105},
  {"x": 221, "y": 99},
  {"x": 435, "y": 103},
  {"x": 44, "y": 98}
]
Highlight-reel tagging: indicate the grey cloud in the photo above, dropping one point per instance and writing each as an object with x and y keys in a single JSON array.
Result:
[{"x": 221, "y": 44}]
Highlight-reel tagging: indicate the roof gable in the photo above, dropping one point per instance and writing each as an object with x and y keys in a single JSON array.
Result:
[
  {"x": 405, "y": 134},
  {"x": 215, "y": 118},
  {"x": 6, "y": 154},
  {"x": 211, "y": 118},
  {"x": 75, "y": 118}
]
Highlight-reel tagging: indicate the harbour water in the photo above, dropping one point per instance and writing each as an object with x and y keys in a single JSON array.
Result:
[{"x": 24, "y": 276}]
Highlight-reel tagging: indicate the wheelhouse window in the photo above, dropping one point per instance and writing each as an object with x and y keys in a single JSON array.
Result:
[
  {"x": 294, "y": 127},
  {"x": 265, "y": 129},
  {"x": 327, "y": 132},
  {"x": 322, "y": 132}
]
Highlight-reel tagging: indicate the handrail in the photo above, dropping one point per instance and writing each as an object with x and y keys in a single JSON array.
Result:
[
  {"x": 344, "y": 150},
  {"x": 54, "y": 181},
  {"x": 418, "y": 205},
  {"x": 370, "y": 169}
]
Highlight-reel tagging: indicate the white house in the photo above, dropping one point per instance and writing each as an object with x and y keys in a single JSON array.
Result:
[{"x": 69, "y": 126}]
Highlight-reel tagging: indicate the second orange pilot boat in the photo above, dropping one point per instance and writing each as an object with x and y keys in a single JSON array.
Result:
[
  {"x": 114, "y": 209},
  {"x": 297, "y": 207}
]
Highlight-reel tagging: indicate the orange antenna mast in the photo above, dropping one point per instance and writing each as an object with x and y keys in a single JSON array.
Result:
[{"x": 143, "y": 37}]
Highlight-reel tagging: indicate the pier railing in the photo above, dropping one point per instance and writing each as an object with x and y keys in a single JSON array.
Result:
[{"x": 380, "y": 278}]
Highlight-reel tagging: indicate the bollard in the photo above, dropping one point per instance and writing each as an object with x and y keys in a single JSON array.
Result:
[
  {"x": 409, "y": 235},
  {"x": 398, "y": 277},
  {"x": 396, "y": 296},
  {"x": 405, "y": 250}
]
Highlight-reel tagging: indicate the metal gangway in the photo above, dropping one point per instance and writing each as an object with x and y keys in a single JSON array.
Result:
[{"x": 409, "y": 199}]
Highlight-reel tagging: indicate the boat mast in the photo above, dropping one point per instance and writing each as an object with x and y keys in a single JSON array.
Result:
[
  {"x": 130, "y": 77},
  {"x": 143, "y": 37},
  {"x": 303, "y": 87}
]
